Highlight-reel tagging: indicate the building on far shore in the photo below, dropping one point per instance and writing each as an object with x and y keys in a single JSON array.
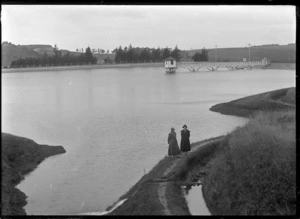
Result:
[{"x": 105, "y": 58}]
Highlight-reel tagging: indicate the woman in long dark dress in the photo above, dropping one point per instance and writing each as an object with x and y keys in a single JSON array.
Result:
[
  {"x": 185, "y": 145},
  {"x": 173, "y": 144}
]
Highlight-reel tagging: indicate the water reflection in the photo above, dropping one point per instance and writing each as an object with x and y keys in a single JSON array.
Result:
[
  {"x": 171, "y": 89},
  {"x": 195, "y": 200}
]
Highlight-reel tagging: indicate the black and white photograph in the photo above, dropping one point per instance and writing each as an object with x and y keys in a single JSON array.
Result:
[{"x": 148, "y": 110}]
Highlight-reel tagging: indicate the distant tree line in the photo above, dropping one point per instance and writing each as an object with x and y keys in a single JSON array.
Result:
[
  {"x": 136, "y": 55},
  {"x": 203, "y": 56},
  {"x": 57, "y": 59}
]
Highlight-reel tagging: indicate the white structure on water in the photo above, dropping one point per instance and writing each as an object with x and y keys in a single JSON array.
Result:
[
  {"x": 170, "y": 64},
  {"x": 213, "y": 66}
]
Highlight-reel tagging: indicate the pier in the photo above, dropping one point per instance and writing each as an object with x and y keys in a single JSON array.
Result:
[{"x": 231, "y": 66}]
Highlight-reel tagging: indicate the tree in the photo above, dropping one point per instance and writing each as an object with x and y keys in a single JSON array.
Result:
[
  {"x": 197, "y": 57},
  {"x": 203, "y": 56},
  {"x": 56, "y": 51},
  {"x": 130, "y": 54},
  {"x": 145, "y": 55},
  {"x": 57, "y": 55},
  {"x": 45, "y": 59},
  {"x": 89, "y": 58},
  {"x": 166, "y": 53},
  {"x": 176, "y": 53},
  {"x": 114, "y": 51},
  {"x": 119, "y": 55},
  {"x": 156, "y": 55}
]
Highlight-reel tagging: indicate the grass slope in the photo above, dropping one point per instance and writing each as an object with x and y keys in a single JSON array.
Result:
[
  {"x": 275, "y": 53},
  {"x": 19, "y": 156},
  {"x": 256, "y": 173},
  {"x": 12, "y": 52},
  {"x": 278, "y": 99}
]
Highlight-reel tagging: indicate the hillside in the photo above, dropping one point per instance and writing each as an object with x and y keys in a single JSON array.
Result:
[
  {"x": 255, "y": 173},
  {"x": 12, "y": 52},
  {"x": 275, "y": 53}
]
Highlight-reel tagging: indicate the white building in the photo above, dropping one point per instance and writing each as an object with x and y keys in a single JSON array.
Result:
[{"x": 170, "y": 64}]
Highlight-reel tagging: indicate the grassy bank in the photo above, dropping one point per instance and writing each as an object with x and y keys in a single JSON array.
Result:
[
  {"x": 273, "y": 100},
  {"x": 256, "y": 172},
  {"x": 19, "y": 156}
]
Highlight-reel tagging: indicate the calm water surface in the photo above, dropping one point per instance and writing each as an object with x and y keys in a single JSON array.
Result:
[
  {"x": 195, "y": 201},
  {"x": 113, "y": 124}
]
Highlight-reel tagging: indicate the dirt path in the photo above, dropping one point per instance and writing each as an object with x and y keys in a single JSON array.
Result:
[{"x": 164, "y": 180}]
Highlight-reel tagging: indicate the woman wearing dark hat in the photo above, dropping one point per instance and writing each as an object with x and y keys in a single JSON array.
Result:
[
  {"x": 185, "y": 145},
  {"x": 173, "y": 144}
]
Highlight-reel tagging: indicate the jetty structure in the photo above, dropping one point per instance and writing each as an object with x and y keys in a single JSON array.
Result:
[
  {"x": 231, "y": 66},
  {"x": 170, "y": 64}
]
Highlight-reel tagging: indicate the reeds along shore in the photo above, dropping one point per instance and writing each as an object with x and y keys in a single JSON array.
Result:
[{"x": 256, "y": 172}]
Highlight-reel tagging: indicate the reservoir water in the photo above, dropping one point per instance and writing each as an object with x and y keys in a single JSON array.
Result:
[{"x": 114, "y": 124}]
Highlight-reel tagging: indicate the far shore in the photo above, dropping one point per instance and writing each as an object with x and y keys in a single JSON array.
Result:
[
  {"x": 82, "y": 67},
  {"x": 283, "y": 66}
]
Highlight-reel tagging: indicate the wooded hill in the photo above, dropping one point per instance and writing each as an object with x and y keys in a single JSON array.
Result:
[{"x": 274, "y": 52}]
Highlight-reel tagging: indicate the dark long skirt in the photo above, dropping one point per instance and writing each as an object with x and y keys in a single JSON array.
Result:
[
  {"x": 185, "y": 145},
  {"x": 173, "y": 148}
]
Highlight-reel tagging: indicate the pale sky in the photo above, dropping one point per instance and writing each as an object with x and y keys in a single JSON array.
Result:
[{"x": 108, "y": 27}]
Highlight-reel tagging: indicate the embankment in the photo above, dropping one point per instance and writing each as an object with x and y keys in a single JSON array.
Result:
[
  {"x": 19, "y": 156},
  {"x": 159, "y": 191},
  {"x": 283, "y": 66},
  {"x": 82, "y": 67},
  {"x": 269, "y": 101},
  {"x": 256, "y": 172}
]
